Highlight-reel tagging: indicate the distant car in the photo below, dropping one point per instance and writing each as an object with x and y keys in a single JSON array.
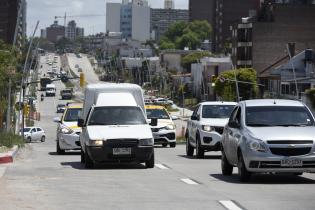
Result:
[
  {"x": 61, "y": 108},
  {"x": 269, "y": 136},
  {"x": 66, "y": 94},
  {"x": 148, "y": 101},
  {"x": 163, "y": 101},
  {"x": 79, "y": 69},
  {"x": 76, "y": 66},
  {"x": 205, "y": 127},
  {"x": 34, "y": 134}
]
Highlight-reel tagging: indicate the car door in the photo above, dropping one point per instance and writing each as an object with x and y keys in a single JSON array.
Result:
[
  {"x": 191, "y": 125},
  {"x": 40, "y": 133},
  {"x": 195, "y": 124},
  {"x": 236, "y": 135},
  {"x": 228, "y": 138},
  {"x": 33, "y": 134}
]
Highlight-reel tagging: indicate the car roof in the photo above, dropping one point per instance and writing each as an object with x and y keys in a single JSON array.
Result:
[
  {"x": 218, "y": 103},
  {"x": 74, "y": 105},
  {"x": 153, "y": 107},
  {"x": 272, "y": 102}
]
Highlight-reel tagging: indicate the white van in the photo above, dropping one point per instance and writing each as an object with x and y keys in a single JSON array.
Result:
[
  {"x": 114, "y": 126},
  {"x": 50, "y": 90}
]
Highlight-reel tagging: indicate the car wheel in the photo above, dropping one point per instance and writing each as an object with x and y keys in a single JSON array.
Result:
[
  {"x": 59, "y": 150},
  {"x": 43, "y": 139},
  {"x": 164, "y": 145},
  {"x": 28, "y": 139},
  {"x": 82, "y": 156},
  {"x": 243, "y": 174},
  {"x": 200, "y": 153},
  {"x": 150, "y": 163},
  {"x": 173, "y": 144},
  {"x": 88, "y": 162},
  {"x": 189, "y": 148},
  {"x": 226, "y": 167}
]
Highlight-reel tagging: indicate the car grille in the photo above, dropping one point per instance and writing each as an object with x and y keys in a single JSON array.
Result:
[
  {"x": 155, "y": 129},
  {"x": 290, "y": 151},
  {"x": 170, "y": 136},
  {"x": 290, "y": 142},
  {"x": 219, "y": 130},
  {"x": 122, "y": 142},
  {"x": 277, "y": 164}
]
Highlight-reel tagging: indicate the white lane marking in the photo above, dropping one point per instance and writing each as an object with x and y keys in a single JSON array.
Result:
[
  {"x": 189, "y": 181},
  {"x": 161, "y": 166},
  {"x": 230, "y": 205}
]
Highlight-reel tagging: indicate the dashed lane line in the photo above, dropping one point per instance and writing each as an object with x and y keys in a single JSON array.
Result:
[
  {"x": 161, "y": 166},
  {"x": 189, "y": 181},
  {"x": 230, "y": 205}
]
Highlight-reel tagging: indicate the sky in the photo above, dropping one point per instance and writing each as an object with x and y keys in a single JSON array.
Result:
[{"x": 46, "y": 10}]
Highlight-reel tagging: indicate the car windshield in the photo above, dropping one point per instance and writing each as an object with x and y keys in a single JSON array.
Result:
[
  {"x": 26, "y": 130},
  {"x": 278, "y": 116},
  {"x": 157, "y": 113},
  {"x": 217, "y": 111},
  {"x": 117, "y": 116},
  {"x": 72, "y": 114}
]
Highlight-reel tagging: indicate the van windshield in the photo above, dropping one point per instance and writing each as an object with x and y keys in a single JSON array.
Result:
[{"x": 117, "y": 116}]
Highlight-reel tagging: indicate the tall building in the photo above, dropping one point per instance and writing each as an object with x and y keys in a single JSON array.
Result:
[
  {"x": 222, "y": 14},
  {"x": 73, "y": 32},
  {"x": 132, "y": 19},
  {"x": 169, "y": 4},
  {"x": 55, "y": 32},
  {"x": 13, "y": 21},
  {"x": 162, "y": 19}
]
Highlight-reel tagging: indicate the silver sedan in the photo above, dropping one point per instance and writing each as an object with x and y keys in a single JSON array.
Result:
[{"x": 269, "y": 136}]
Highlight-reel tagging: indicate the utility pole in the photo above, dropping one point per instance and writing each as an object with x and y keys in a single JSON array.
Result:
[{"x": 294, "y": 75}]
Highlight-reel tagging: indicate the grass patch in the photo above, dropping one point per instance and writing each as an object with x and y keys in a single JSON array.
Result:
[
  {"x": 69, "y": 84},
  {"x": 8, "y": 140}
]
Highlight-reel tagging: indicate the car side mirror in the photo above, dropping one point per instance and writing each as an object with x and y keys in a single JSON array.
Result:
[
  {"x": 57, "y": 120},
  {"x": 234, "y": 124},
  {"x": 81, "y": 123},
  {"x": 195, "y": 117},
  {"x": 154, "y": 122}
]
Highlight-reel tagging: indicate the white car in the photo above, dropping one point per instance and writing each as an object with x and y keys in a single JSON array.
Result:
[
  {"x": 205, "y": 127},
  {"x": 34, "y": 134}
]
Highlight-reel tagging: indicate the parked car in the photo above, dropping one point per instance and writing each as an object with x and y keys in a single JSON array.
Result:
[
  {"x": 34, "y": 134},
  {"x": 163, "y": 101},
  {"x": 269, "y": 136},
  {"x": 61, "y": 108},
  {"x": 164, "y": 132},
  {"x": 205, "y": 127},
  {"x": 68, "y": 132},
  {"x": 66, "y": 94}
]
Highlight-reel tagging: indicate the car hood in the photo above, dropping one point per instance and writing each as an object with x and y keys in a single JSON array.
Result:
[
  {"x": 282, "y": 133},
  {"x": 119, "y": 132},
  {"x": 217, "y": 122}
]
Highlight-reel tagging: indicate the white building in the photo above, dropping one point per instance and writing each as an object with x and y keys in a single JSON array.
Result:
[{"x": 132, "y": 19}]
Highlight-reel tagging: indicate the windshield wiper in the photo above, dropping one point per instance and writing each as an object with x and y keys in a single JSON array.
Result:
[
  {"x": 258, "y": 125},
  {"x": 295, "y": 125}
]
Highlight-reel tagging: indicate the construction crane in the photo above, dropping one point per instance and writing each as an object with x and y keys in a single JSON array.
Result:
[{"x": 74, "y": 16}]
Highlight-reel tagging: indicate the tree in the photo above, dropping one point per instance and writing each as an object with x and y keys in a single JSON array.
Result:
[
  {"x": 227, "y": 90},
  {"x": 193, "y": 58},
  {"x": 182, "y": 34}
]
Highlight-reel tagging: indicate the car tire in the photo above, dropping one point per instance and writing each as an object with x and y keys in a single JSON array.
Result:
[
  {"x": 243, "y": 174},
  {"x": 189, "y": 148},
  {"x": 43, "y": 139},
  {"x": 200, "y": 153},
  {"x": 59, "y": 150},
  {"x": 150, "y": 163},
  {"x": 164, "y": 145},
  {"x": 226, "y": 167},
  {"x": 28, "y": 140},
  {"x": 82, "y": 156},
  {"x": 173, "y": 144},
  {"x": 88, "y": 162}
]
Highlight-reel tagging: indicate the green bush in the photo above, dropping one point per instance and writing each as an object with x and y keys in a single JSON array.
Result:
[{"x": 9, "y": 140}]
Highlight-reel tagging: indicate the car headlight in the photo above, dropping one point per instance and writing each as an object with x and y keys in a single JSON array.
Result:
[
  {"x": 257, "y": 145},
  {"x": 170, "y": 127},
  {"x": 96, "y": 143},
  {"x": 207, "y": 128},
  {"x": 66, "y": 130},
  {"x": 146, "y": 142}
]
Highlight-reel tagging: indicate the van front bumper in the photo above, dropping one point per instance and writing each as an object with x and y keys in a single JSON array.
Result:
[{"x": 103, "y": 154}]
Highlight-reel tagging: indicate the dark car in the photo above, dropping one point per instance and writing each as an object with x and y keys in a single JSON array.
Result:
[
  {"x": 66, "y": 94},
  {"x": 61, "y": 108}
]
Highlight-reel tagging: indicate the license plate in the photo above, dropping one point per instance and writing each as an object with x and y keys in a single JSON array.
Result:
[
  {"x": 291, "y": 163},
  {"x": 121, "y": 151}
]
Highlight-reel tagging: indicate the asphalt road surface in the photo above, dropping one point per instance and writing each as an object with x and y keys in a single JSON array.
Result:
[{"x": 41, "y": 179}]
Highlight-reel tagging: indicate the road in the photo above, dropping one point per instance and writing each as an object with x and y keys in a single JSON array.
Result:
[{"x": 41, "y": 179}]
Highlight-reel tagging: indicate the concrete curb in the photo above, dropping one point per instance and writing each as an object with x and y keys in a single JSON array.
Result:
[{"x": 9, "y": 156}]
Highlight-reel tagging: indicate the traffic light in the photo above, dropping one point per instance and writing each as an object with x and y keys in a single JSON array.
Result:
[{"x": 82, "y": 80}]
